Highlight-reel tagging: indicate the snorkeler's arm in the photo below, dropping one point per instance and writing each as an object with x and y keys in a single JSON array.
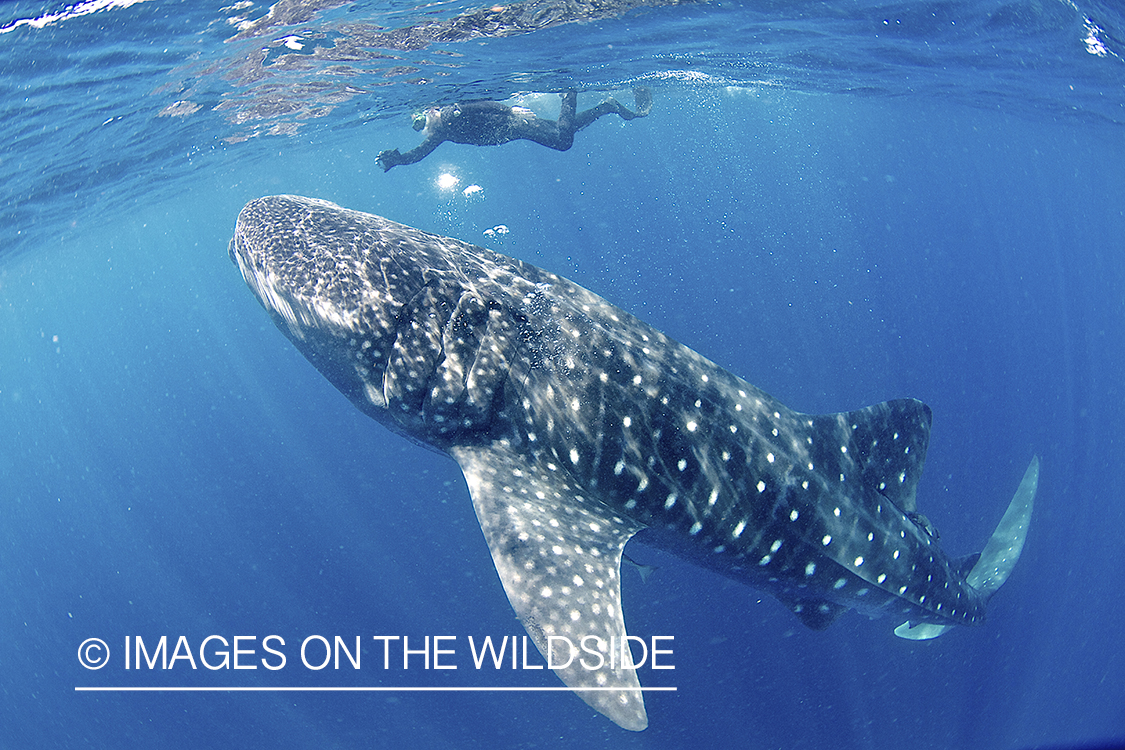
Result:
[{"x": 393, "y": 158}]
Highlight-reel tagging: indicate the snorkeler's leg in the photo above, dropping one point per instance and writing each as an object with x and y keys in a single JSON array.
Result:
[
  {"x": 557, "y": 135},
  {"x": 608, "y": 107},
  {"x": 611, "y": 106},
  {"x": 643, "y": 97},
  {"x": 567, "y": 111},
  {"x": 547, "y": 133}
]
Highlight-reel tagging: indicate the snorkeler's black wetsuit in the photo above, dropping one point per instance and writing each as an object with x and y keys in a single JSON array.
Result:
[{"x": 489, "y": 123}]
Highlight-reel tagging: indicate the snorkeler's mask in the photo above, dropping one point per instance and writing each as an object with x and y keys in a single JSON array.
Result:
[{"x": 418, "y": 120}]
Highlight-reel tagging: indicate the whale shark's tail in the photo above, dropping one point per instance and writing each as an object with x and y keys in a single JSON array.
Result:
[{"x": 999, "y": 555}]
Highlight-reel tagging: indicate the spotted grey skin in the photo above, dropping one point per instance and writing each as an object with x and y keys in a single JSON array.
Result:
[{"x": 578, "y": 426}]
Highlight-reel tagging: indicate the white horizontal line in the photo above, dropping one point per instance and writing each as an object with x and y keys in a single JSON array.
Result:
[{"x": 379, "y": 689}]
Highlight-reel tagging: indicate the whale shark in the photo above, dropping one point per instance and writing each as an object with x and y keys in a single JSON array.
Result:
[{"x": 579, "y": 427}]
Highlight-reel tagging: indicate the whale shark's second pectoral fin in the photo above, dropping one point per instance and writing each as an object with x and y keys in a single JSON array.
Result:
[{"x": 558, "y": 553}]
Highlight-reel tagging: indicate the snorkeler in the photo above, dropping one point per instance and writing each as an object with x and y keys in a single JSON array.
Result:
[{"x": 488, "y": 123}]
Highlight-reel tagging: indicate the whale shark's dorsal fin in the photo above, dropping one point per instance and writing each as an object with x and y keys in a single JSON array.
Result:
[
  {"x": 889, "y": 442},
  {"x": 558, "y": 552},
  {"x": 999, "y": 556}
]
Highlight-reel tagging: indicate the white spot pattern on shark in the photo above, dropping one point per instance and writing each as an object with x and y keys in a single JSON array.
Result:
[{"x": 578, "y": 427}]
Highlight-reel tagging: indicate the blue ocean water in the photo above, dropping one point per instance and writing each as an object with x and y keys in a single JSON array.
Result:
[{"x": 842, "y": 204}]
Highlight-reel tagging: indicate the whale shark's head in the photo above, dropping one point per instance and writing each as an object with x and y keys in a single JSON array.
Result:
[
  {"x": 395, "y": 318},
  {"x": 335, "y": 282}
]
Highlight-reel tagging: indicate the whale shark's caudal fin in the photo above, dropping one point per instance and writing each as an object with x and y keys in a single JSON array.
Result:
[{"x": 999, "y": 555}]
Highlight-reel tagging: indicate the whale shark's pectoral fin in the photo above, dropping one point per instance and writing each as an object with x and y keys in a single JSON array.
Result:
[
  {"x": 999, "y": 555},
  {"x": 558, "y": 552}
]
